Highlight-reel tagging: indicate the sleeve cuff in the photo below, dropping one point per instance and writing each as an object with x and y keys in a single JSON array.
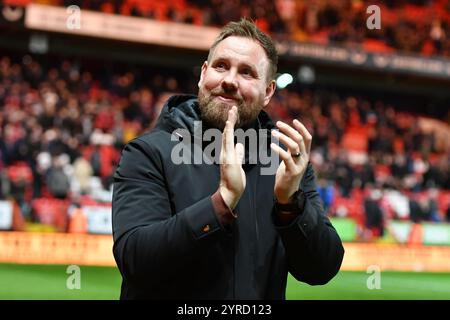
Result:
[
  {"x": 225, "y": 215},
  {"x": 285, "y": 214}
]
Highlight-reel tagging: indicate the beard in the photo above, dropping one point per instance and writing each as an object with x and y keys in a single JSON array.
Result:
[{"x": 215, "y": 112}]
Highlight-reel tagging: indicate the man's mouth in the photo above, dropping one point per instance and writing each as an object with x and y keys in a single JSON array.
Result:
[{"x": 226, "y": 98}]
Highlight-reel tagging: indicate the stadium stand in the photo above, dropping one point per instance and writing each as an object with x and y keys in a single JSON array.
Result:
[
  {"x": 64, "y": 120},
  {"x": 64, "y": 126},
  {"x": 417, "y": 26}
]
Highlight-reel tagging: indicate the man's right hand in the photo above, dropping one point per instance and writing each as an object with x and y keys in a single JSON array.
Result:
[{"x": 232, "y": 176}]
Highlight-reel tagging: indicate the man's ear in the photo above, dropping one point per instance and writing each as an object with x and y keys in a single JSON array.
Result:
[
  {"x": 202, "y": 74},
  {"x": 270, "y": 90}
]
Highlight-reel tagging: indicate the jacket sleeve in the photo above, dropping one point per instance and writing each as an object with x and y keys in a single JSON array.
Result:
[
  {"x": 152, "y": 243},
  {"x": 313, "y": 247}
]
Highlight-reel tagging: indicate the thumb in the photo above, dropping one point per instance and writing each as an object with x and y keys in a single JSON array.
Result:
[{"x": 240, "y": 153}]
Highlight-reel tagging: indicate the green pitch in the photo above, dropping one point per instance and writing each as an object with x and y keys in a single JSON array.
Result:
[{"x": 50, "y": 282}]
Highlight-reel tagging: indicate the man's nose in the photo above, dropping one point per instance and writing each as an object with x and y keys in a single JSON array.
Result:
[{"x": 229, "y": 82}]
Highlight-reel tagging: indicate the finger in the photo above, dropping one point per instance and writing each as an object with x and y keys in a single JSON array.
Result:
[
  {"x": 226, "y": 155},
  {"x": 288, "y": 142},
  {"x": 305, "y": 133},
  {"x": 284, "y": 155},
  {"x": 232, "y": 115},
  {"x": 229, "y": 140},
  {"x": 289, "y": 131},
  {"x": 224, "y": 148},
  {"x": 240, "y": 153},
  {"x": 293, "y": 134}
]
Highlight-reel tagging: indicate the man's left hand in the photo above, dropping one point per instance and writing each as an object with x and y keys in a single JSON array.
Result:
[{"x": 297, "y": 139}]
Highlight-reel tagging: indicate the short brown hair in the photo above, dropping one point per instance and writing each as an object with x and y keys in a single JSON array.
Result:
[{"x": 248, "y": 29}]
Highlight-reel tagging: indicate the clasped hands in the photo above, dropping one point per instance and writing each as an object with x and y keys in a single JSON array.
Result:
[{"x": 295, "y": 159}]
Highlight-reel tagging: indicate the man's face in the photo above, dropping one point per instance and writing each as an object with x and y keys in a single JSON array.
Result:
[{"x": 237, "y": 74}]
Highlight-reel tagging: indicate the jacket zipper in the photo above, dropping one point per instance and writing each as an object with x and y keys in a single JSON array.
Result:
[
  {"x": 253, "y": 203},
  {"x": 253, "y": 207}
]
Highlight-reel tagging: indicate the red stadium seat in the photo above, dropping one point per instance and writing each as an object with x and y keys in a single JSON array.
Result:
[
  {"x": 52, "y": 212},
  {"x": 20, "y": 171}
]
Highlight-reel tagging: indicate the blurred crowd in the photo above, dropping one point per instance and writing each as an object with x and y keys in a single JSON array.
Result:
[
  {"x": 415, "y": 26},
  {"x": 63, "y": 124},
  {"x": 374, "y": 162}
]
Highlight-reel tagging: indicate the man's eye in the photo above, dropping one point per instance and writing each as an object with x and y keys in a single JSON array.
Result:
[
  {"x": 220, "y": 65},
  {"x": 247, "y": 72}
]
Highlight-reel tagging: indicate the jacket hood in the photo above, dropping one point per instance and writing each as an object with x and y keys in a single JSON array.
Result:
[{"x": 180, "y": 112}]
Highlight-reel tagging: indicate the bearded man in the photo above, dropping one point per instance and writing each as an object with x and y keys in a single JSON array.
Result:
[{"x": 222, "y": 230}]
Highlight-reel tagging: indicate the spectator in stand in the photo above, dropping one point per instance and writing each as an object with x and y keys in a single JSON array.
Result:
[
  {"x": 57, "y": 180},
  {"x": 19, "y": 182},
  {"x": 437, "y": 35},
  {"x": 367, "y": 174},
  {"x": 326, "y": 192},
  {"x": 417, "y": 210},
  {"x": 344, "y": 175},
  {"x": 399, "y": 167},
  {"x": 82, "y": 174},
  {"x": 374, "y": 217}
]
